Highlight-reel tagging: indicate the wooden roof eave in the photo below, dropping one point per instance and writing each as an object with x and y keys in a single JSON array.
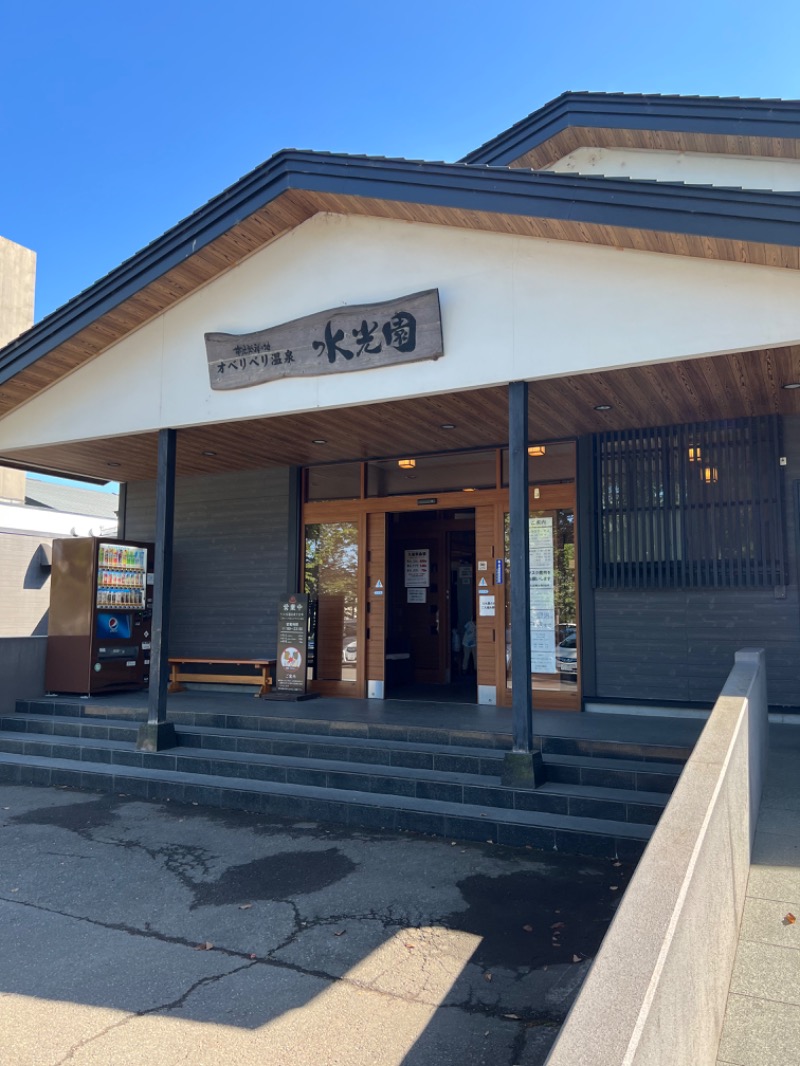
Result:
[{"x": 704, "y": 223}]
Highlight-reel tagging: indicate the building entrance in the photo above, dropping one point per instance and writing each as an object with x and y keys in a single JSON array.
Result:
[
  {"x": 431, "y": 637},
  {"x": 407, "y": 565}
]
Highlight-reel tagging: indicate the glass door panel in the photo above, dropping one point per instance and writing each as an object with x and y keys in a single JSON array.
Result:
[
  {"x": 331, "y": 579},
  {"x": 555, "y": 660}
]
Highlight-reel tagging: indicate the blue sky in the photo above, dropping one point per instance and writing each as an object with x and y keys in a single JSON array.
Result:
[{"x": 118, "y": 120}]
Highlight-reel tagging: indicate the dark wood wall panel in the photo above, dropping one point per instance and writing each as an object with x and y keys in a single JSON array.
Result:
[
  {"x": 678, "y": 644},
  {"x": 231, "y": 559}
]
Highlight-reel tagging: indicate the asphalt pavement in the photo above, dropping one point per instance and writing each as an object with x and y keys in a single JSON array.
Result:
[{"x": 137, "y": 933}]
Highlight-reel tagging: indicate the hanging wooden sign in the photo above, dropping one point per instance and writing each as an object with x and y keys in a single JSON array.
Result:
[{"x": 361, "y": 337}]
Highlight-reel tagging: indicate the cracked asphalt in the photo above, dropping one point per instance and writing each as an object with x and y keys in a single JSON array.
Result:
[{"x": 136, "y": 932}]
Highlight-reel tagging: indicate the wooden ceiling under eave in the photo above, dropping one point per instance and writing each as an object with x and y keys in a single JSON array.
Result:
[
  {"x": 727, "y": 386},
  {"x": 574, "y": 137},
  {"x": 290, "y": 209}
]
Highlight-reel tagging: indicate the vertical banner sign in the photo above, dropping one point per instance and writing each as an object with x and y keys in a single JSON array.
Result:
[
  {"x": 543, "y": 621},
  {"x": 290, "y": 670}
]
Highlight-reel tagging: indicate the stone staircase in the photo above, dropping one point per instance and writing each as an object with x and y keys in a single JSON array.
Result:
[{"x": 600, "y": 797}]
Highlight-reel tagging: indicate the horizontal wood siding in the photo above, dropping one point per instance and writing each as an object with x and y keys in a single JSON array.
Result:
[
  {"x": 376, "y": 605},
  {"x": 231, "y": 559},
  {"x": 678, "y": 644}
]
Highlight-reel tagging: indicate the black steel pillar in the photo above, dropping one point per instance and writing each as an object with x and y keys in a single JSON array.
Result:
[
  {"x": 157, "y": 733},
  {"x": 523, "y": 764}
]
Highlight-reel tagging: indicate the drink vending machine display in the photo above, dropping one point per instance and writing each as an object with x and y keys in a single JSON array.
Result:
[{"x": 100, "y": 611}]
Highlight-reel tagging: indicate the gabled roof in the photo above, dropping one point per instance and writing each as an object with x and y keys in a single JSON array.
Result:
[
  {"x": 743, "y": 226},
  {"x": 687, "y": 123}
]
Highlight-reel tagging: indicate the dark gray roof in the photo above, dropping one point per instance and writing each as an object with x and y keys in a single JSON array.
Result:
[
  {"x": 772, "y": 218},
  {"x": 71, "y": 499},
  {"x": 733, "y": 115}
]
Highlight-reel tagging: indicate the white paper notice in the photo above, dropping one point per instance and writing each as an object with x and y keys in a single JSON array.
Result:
[
  {"x": 486, "y": 607},
  {"x": 542, "y": 590},
  {"x": 543, "y": 662},
  {"x": 542, "y": 598},
  {"x": 542, "y": 579},
  {"x": 542, "y": 640},
  {"x": 417, "y": 595},
  {"x": 542, "y": 619},
  {"x": 418, "y": 568},
  {"x": 540, "y": 531},
  {"x": 541, "y": 555}
]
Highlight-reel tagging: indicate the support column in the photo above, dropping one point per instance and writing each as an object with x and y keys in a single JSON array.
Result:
[
  {"x": 157, "y": 734},
  {"x": 523, "y": 765}
]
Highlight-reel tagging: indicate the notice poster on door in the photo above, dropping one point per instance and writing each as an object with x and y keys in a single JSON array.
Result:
[
  {"x": 416, "y": 595},
  {"x": 418, "y": 568},
  {"x": 542, "y": 592},
  {"x": 290, "y": 668}
]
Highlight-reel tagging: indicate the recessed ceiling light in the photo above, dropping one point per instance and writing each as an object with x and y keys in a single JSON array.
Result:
[
  {"x": 602, "y": 407},
  {"x": 319, "y": 440},
  {"x": 791, "y": 385},
  {"x": 209, "y": 453},
  {"x": 447, "y": 425},
  {"x": 112, "y": 464}
]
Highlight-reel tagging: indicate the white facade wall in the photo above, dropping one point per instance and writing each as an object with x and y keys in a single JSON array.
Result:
[
  {"x": 512, "y": 308},
  {"x": 25, "y": 519},
  {"x": 693, "y": 168}
]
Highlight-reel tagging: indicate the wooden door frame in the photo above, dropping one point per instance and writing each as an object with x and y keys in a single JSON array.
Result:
[{"x": 551, "y": 497}]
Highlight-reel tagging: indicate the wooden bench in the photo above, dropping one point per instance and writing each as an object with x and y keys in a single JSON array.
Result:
[{"x": 260, "y": 676}]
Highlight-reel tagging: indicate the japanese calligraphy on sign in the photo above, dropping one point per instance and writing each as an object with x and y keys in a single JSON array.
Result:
[{"x": 406, "y": 330}]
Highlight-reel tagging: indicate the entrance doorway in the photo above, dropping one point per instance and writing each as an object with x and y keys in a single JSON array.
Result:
[
  {"x": 395, "y": 577},
  {"x": 430, "y": 649}
]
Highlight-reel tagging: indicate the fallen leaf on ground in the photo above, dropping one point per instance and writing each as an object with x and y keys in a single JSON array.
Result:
[
  {"x": 340, "y": 933},
  {"x": 515, "y": 1017},
  {"x": 245, "y": 906},
  {"x": 487, "y": 977},
  {"x": 254, "y": 956},
  {"x": 409, "y": 946},
  {"x": 207, "y": 946},
  {"x": 790, "y": 919},
  {"x": 528, "y": 928},
  {"x": 616, "y": 864},
  {"x": 558, "y": 925},
  {"x": 577, "y": 958},
  {"x": 613, "y": 888}
]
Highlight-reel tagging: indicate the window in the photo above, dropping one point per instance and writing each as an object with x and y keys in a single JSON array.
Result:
[{"x": 691, "y": 505}]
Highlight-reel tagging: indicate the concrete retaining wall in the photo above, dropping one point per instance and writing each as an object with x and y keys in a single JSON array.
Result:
[
  {"x": 656, "y": 993},
  {"x": 21, "y": 670}
]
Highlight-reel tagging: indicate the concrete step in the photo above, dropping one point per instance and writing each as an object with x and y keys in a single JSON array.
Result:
[
  {"x": 215, "y": 742},
  {"x": 407, "y": 778},
  {"x": 538, "y": 829},
  {"x": 261, "y": 721}
]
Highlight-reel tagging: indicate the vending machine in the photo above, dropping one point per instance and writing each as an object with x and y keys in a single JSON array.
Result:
[{"x": 101, "y": 602}]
